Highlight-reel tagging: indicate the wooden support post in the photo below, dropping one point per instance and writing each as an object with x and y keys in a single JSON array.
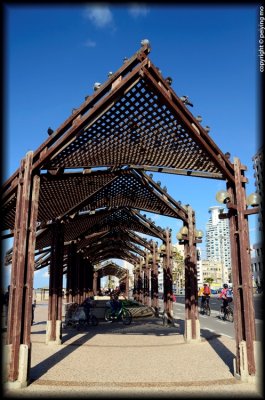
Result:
[
  {"x": 192, "y": 326},
  {"x": 137, "y": 282},
  {"x": 21, "y": 284},
  {"x": 90, "y": 278},
  {"x": 30, "y": 264},
  {"x": 53, "y": 333},
  {"x": 140, "y": 283},
  {"x": 75, "y": 279},
  {"x": 98, "y": 283},
  {"x": 134, "y": 283},
  {"x": 147, "y": 284},
  {"x": 70, "y": 268},
  {"x": 145, "y": 268},
  {"x": 244, "y": 314},
  {"x": 167, "y": 271},
  {"x": 82, "y": 283},
  {"x": 78, "y": 278},
  {"x": 85, "y": 275},
  {"x": 127, "y": 285},
  {"x": 95, "y": 276},
  {"x": 154, "y": 279}
]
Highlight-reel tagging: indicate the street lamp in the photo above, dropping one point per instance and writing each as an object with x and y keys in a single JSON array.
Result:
[
  {"x": 183, "y": 233},
  {"x": 252, "y": 200},
  {"x": 198, "y": 234},
  {"x": 222, "y": 197}
]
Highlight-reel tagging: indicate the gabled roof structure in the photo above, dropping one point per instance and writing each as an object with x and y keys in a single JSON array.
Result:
[
  {"x": 111, "y": 268},
  {"x": 65, "y": 194},
  {"x": 134, "y": 118}
]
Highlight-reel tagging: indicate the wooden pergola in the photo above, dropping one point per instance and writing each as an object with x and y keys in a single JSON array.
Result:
[{"x": 69, "y": 221}]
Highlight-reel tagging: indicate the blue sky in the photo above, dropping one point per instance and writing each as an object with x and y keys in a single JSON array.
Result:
[{"x": 54, "y": 54}]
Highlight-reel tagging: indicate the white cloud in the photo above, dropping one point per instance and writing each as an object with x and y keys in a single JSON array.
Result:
[
  {"x": 137, "y": 10},
  {"x": 90, "y": 43},
  {"x": 46, "y": 274},
  {"x": 99, "y": 15}
]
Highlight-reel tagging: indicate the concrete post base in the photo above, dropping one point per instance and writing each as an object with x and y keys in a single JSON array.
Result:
[
  {"x": 58, "y": 333},
  {"x": 244, "y": 375},
  {"x": 188, "y": 331},
  {"x": 23, "y": 367}
]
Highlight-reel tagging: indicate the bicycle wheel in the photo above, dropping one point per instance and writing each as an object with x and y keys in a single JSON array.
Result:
[
  {"x": 108, "y": 314},
  {"x": 221, "y": 313},
  {"x": 126, "y": 317},
  {"x": 230, "y": 315},
  {"x": 208, "y": 311},
  {"x": 94, "y": 320}
]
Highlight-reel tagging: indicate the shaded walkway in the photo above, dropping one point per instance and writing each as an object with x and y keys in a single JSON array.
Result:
[{"x": 143, "y": 358}]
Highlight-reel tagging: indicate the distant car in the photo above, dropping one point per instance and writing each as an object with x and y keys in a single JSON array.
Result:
[{"x": 214, "y": 291}]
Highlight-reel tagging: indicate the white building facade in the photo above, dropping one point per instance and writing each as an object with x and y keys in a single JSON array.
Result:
[{"x": 218, "y": 241}]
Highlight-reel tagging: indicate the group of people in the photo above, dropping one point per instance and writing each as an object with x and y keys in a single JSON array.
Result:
[{"x": 225, "y": 295}]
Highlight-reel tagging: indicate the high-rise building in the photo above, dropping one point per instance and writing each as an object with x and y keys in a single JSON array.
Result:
[
  {"x": 218, "y": 241},
  {"x": 199, "y": 267},
  {"x": 257, "y": 248},
  {"x": 257, "y": 265}
]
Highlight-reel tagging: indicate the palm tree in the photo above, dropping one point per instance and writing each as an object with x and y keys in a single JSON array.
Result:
[{"x": 209, "y": 280}]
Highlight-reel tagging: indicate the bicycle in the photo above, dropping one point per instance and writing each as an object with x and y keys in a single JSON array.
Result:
[
  {"x": 77, "y": 317},
  {"x": 122, "y": 314},
  {"x": 228, "y": 315},
  {"x": 90, "y": 319},
  {"x": 205, "y": 308}
]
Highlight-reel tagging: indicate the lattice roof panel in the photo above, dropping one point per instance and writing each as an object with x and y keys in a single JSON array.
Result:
[
  {"x": 64, "y": 194},
  {"x": 138, "y": 129},
  {"x": 112, "y": 244},
  {"x": 106, "y": 220},
  {"x": 122, "y": 254}
]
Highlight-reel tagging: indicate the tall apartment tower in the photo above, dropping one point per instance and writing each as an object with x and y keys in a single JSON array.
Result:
[
  {"x": 257, "y": 248},
  {"x": 218, "y": 240}
]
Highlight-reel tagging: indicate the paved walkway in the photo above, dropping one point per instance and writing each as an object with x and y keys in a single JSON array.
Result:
[{"x": 144, "y": 359}]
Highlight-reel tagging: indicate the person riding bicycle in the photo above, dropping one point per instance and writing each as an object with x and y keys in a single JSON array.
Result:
[
  {"x": 205, "y": 293},
  {"x": 225, "y": 296}
]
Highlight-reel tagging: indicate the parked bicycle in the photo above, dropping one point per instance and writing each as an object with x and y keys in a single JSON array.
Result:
[
  {"x": 121, "y": 314},
  {"x": 78, "y": 317},
  {"x": 228, "y": 315}
]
